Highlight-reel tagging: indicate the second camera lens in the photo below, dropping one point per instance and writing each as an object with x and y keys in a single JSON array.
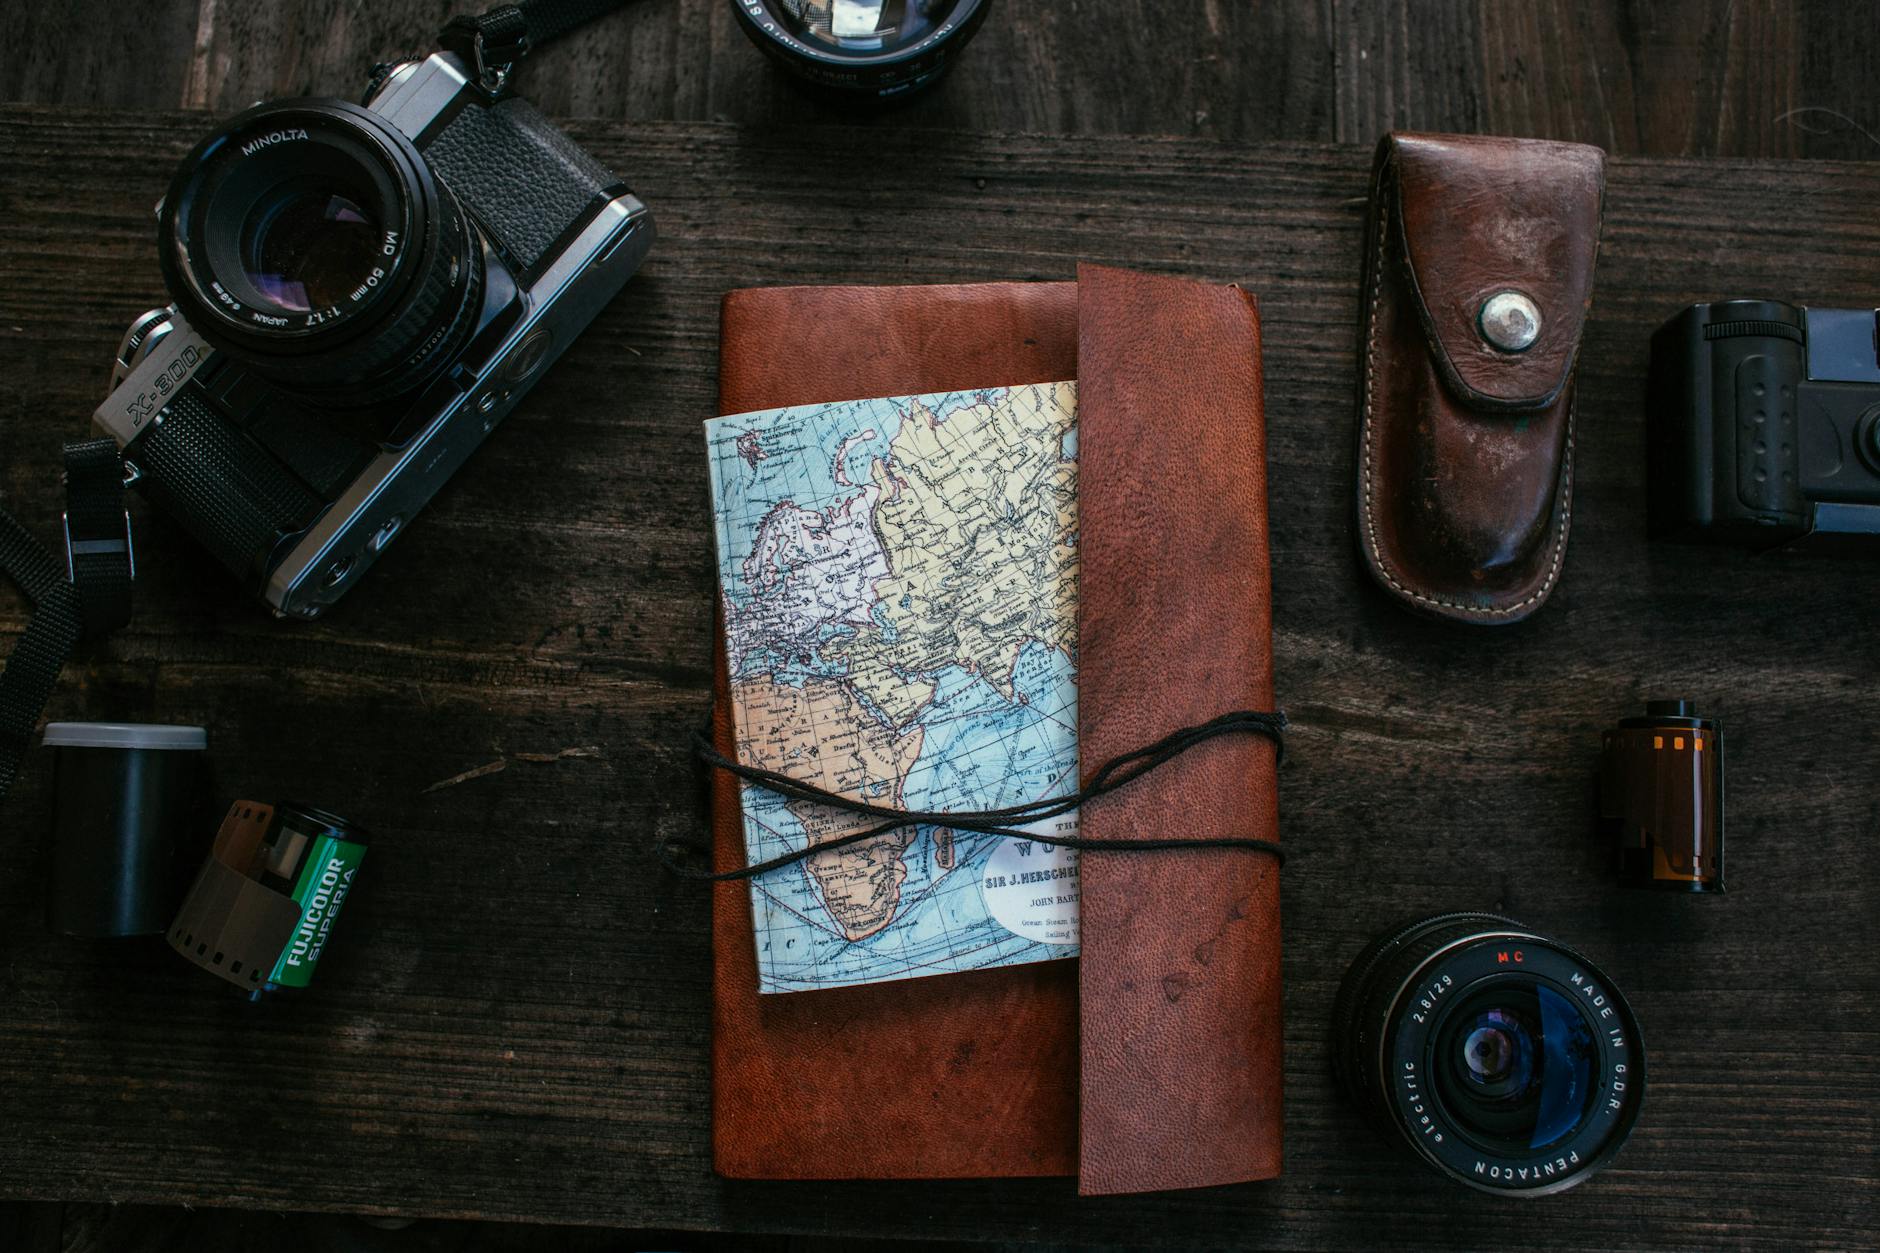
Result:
[
  {"x": 1503, "y": 1059},
  {"x": 863, "y": 49}
]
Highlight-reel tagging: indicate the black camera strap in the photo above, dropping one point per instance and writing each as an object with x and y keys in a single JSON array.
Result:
[
  {"x": 87, "y": 596},
  {"x": 493, "y": 42}
]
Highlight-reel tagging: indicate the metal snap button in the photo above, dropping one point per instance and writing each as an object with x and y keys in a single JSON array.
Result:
[{"x": 1510, "y": 321}]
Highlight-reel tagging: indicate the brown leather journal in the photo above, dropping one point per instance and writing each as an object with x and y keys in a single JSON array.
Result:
[{"x": 1154, "y": 1060}]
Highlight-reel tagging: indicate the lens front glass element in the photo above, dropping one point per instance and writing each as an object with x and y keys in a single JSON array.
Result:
[
  {"x": 866, "y": 25},
  {"x": 1515, "y": 1066},
  {"x": 307, "y": 245},
  {"x": 310, "y": 240},
  {"x": 1498, "y": 1055}
]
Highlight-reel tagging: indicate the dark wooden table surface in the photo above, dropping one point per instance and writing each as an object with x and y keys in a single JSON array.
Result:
[{"x": 513, "y": 1022}]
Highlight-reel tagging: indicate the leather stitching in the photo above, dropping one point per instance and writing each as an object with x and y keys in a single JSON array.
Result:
[{"x": 1368, "y": 439}]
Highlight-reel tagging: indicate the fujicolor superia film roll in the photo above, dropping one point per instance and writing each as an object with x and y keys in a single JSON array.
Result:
[{"x": 263, "y": 906}]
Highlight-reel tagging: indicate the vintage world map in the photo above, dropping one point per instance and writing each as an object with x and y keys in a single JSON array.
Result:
[{"x": 899, "y": 583}]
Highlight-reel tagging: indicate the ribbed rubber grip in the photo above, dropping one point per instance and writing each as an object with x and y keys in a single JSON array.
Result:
[
  {"x": 1758, "y": 327},
  {"x": 225, "y": 491}
]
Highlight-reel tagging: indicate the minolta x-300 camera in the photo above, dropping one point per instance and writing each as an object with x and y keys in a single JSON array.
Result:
[
  {"x": 1764, "y": 426},
  {"x": 361, "y": 295}
]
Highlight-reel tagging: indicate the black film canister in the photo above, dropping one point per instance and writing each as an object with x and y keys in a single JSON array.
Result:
[{"x": 124, "y": 796}]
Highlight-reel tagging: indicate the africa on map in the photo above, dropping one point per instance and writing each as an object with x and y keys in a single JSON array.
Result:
[{"x": 899, "y": 584}]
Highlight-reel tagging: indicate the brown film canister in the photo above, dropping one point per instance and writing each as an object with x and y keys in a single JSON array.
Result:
[{"x": 1661, "y": 798}]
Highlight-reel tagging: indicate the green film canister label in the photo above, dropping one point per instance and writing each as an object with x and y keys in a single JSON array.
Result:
[{"x": 325, "y": 878}]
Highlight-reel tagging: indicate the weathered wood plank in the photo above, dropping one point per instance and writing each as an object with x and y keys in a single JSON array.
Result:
[
  {"x": 1691, "y": 77},
  {"x": 1695, "y": 78},
  {"x": 514, "y": 1022},
  {"x": 96, "y": 53},
  {"x": 1688, "y": 78},
  {"x": 51, "y": 1227}
]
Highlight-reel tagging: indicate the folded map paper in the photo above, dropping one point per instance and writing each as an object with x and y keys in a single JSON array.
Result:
[{"x": 899, "y": 587}]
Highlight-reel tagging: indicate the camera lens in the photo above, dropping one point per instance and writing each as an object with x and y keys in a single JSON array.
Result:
[
  {"x": 880, "y": 49},
  {"x": 861, "y": 26},
  {"x": 310, "y": 240},
  {"x": 305, "y": 247},
  {"x": 1501, "y": 1058},
  {"x": 1521, "y": 1066}
]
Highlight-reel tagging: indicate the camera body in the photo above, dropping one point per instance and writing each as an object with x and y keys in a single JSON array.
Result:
[
  {"x": 361, "y": 295},
  {"x": 1764, "y": 425}
]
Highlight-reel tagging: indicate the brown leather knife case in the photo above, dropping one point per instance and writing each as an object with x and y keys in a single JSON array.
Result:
[
  {"x": 1153, "y": 1060},
  {"x": 1478, "y": 275}
]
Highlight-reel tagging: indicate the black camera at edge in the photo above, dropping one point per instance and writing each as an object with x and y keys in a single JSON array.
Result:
[{"x": 1764, "y": 425}]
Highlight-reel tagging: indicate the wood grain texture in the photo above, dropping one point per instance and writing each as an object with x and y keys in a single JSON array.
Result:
[
  {"x": 1651, "y": 77},
  {"x": 52, "y": 1227},
  {"x": 513, "y": 1022},
  {"x": 1690, "y": 77},
  {"x": 87, "y": 53}
]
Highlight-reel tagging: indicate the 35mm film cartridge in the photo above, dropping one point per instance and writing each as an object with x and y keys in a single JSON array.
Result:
[
  {"x": 1661, "y": 798},
  {"x": 263, "y": 906}
]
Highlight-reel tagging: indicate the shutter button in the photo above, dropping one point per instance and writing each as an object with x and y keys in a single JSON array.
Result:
[{"x": 1510, "y": 321}]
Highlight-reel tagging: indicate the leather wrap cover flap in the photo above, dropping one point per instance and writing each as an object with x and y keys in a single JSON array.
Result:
[
  {"x": 978, "y": 1074},
  {"x": 1465, "y": 449},
  {"x": 1180, "y": 980}
]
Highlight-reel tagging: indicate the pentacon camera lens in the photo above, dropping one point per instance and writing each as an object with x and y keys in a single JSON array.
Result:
[
  {"x": 879, "y": 49},
  {"x": 310, "y": 240},
  {"x": 1501, "y": 1058}
]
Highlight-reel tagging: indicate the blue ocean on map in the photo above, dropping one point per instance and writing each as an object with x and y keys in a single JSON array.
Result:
[
  {"x": 996, "y": 751},
  {"x": 981, "y": 751}
]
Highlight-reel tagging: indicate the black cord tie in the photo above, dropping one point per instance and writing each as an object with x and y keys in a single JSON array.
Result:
[{"x": 1118, "y": 771}]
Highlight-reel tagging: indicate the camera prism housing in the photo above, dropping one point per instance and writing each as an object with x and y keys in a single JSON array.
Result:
[
  {"x": 1764, "y": 425},
  {"x": 360, "y": 295},
  {"x": 1500, "y": 1058}
]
